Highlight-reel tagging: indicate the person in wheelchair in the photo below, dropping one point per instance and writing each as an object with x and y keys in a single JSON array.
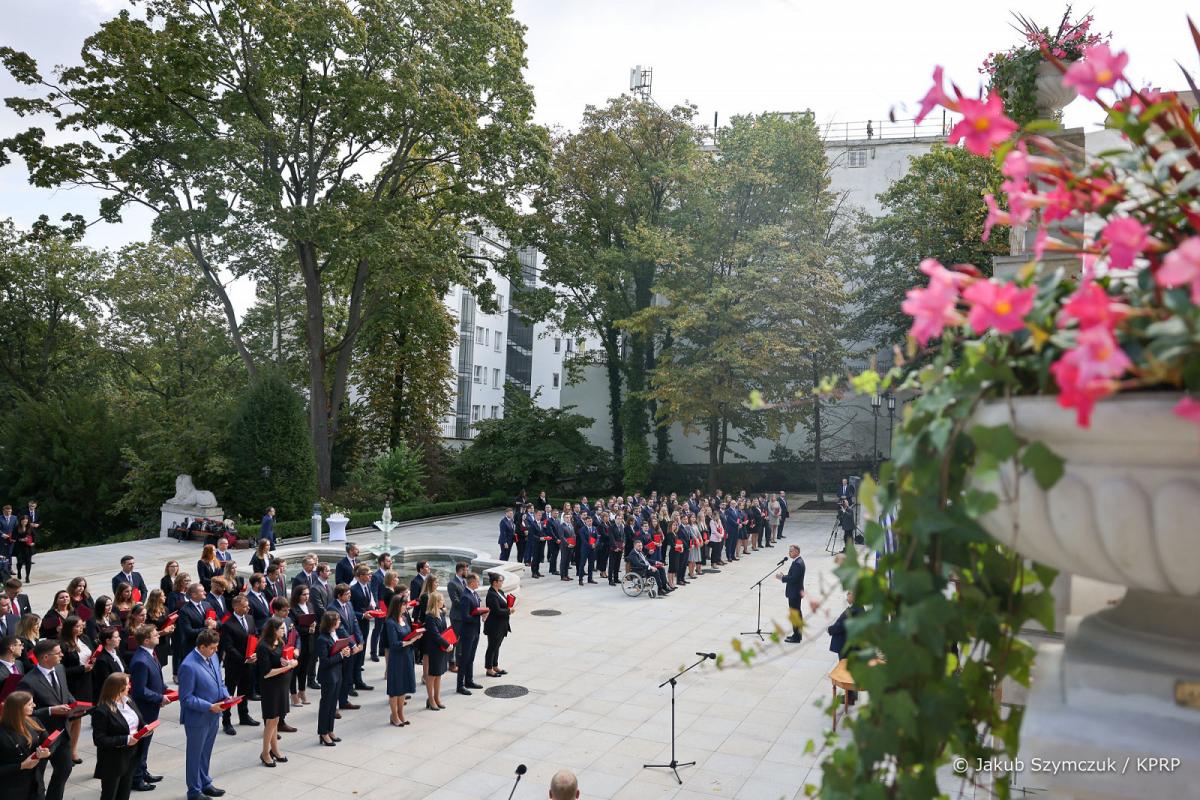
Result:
[{"x": 639, "y": 564}]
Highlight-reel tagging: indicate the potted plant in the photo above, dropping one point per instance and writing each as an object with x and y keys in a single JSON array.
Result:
[
  {"x": 1023, "y": 77},
  {"x": 1054, "y": 424}
]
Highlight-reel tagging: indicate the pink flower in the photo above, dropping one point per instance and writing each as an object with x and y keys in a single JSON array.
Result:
[
  {"x": 1039, "y": 243},
  {"x": 1016, "y": 163},
  {"x": 1091, "y": 307},
  {"x": 1000, "y": 306},
  {"x": 1189, "y": 409},
  {"x": 983, "y": 125},
  {"x": 1059, "y": 203},
  {"x": 1126, "y": 239},
  {"x": 1100, "y": 68},
  {"x": 934, "y": 307},
  {"x": 935, "y": 97},
  {"x": 995, "y": 216},
  {"x": 1182, "y": 266},
  {"x": 1089, "y": 372}
]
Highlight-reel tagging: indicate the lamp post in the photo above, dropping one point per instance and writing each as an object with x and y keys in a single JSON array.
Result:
[
  {"x": 891, "y": 407},
  {"x": 876, "y": 402}
]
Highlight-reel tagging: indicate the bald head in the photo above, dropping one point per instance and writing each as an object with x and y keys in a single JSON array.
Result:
[{"x": 564, "y": 786}]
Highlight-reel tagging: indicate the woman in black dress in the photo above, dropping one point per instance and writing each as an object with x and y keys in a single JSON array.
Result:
[
  {"x": 135, "y": 619},
  {"x": 399, "y": 655},
  {"x": 122, "y": 601},
  {"x": 208, "y": 567},
  {"x": 28, "y": 631},
  {"x": 304, "y": 622},
  {"x": 24, "y": 538},
  {"x": 102, "y": 618},
  {"x": 175, "y": 601},
  {"x": 496, "y": 625},
  {"x": 22, "y": 758},
  {"x": 77, "y": 590},
  {"x": 60, "y": 609},
  {"x": 329, "y": 674},
  {"x": 156, "y": 615},
  {"x": 114, "y": 722},
  {"x": 76, "y": 655},
  {"x": 110, "y": 660},
  {"x": 436, "y": 650},
  {"x": 261, "y": 558},
  {"x": 167, "y": 581},
  {"x": 273, "y": 679}
]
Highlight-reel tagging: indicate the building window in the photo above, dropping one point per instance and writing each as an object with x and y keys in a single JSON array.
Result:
[
  {"x": 570, "y": 346},
  {"x": 474, "y": 413},
  {"x": 495, "y": 412},
  {"x": 554, "y": 381},
  {"x": 856, "y": 158},
  {"x": 479, "y": 335},
  {"x": 479, "y": 374},
  {"x": 557, "y": 344},
  {"x": 499, "y": 342},
  {"x": 495, "y": 378}
]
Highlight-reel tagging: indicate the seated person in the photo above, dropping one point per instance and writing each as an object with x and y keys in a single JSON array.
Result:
[{"x": 638, "y": 563}]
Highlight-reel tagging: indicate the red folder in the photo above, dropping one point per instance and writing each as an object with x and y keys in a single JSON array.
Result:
[
  {"x": 415, "y": 633},
  {"x": 512, "y": 600},
  {"x": 226, "y": 618},
  {"x": 230, "y": 702},
  {"x": 658, "y": 538},
  {"x": 679, "y": 547},
  {"x": 49, "y": 741},
  {"x": 571, "y": 542},
  {"x": 591, "y": 541},
  {"x": 651, "y": 547},
  {"x": 251, "y": 645},
  {"x": 137, "y": 595},
  {"x": 146, "y": 730},
  {"x": 289, "y": 653},
  {"x": 377, "y": 613},
  {"x": 33, "y": 659},
  {"x": 210, "y": 614},
  {"x": 450, "y": 636},
  {"x": 291, "y": 638},
  {"x": 95, "y": 654},
  {"x": 10, "y": 684},
  {"x": 171, "y": 695},
  {"x": 413, "y": 603},
  {"x": 306, "y": 620},
  {"x": 339, "y": 645},
  {"x": 478, "y": 612},
  {"x": 83, "y": 612},
  {"x": 169, "y": 621}
]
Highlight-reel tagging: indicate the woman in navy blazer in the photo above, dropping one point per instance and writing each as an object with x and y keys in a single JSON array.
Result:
[{"x": 114, "y": 722}]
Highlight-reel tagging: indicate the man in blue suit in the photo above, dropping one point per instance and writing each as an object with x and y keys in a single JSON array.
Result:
[
  {"x": 467, "y": 623},
  {"x": 8, "y": 524},
  {"x": 377, "y": 578},
  {"x": 347, "y": 630},
  {"x": 793, "y": 588},
  {"x": 508, "y": 534},
  {"x": 344, "y": 571},
  {"x": 127, "y": 575},
  {"x": 729, "y": 521},
  {"x": 146, "y": 690},
  {"x": 200, "y": 695},
  {"x": 267, "y": 529}
]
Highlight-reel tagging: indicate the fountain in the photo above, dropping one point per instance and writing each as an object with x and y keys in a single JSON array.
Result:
[{"x": 387, "y": 526}]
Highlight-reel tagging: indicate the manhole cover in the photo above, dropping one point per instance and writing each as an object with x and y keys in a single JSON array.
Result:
[
  {"x": 709, "y": 571},
  {"x": 506, "y": 690},
  {"x": 544, "y": 612}
]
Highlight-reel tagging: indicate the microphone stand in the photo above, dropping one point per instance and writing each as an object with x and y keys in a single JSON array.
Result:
[
  {"x": 520, "y": 772},
  {"x": 758, "y": 631},
  {"x": 675, "y": 764}
]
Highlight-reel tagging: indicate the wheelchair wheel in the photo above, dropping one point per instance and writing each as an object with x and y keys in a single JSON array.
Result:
[{"x": 631, "y": 584}]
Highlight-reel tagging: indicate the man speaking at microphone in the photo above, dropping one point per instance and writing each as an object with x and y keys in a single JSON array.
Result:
[{"x": 793, "y": 584}]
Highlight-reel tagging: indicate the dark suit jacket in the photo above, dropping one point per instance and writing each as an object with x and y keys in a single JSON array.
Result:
[
  {"x": 20, "y": 605},
  {"x": 110, "y": 733},
  {"x": 20, "y": 783},
  {"x": 260, "y": 609},
  {"x": 470, "y": 624},
  {"x": 267, "y": 529},
  {"x": 508, "y": 531},
  {"x": 146, "y": 684},
  {"x": 134, "y": 579},
  {"x": 189, "y": 624},
  {"x": 8, "y": 625},
  {"x": 44, "y": 696},
  {"x": 793, "y": 582},
  {"x": 497, "y": 620},
  {"x": 415, "y": 586},
  {"x": 105, "y": 666},
  {"x": 344, "y": 571},
  {"x": 837, "y": 631},
  {"x": 302, "y": 578},
  {"x": 360, "y": 597}
]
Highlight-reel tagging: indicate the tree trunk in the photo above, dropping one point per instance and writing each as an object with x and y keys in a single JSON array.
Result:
[
  {"x": 714, "y": 468},
  {"x": 662, "y": 433},
  {"x": 396, "y": 421},
  {"x": 318, "y": 396},
  {"x": 612, "y": 357},
  {"x": 817, "y": 435}
]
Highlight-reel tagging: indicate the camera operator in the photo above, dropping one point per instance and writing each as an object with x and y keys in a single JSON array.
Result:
[{"x": 846, "y": 520}]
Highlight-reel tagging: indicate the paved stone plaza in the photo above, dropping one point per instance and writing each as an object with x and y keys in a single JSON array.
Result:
[{"x": 592, "y": 706}]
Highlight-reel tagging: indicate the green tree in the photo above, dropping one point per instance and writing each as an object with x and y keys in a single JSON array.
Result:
[
  {"x": 602, "y": 224},
  {"x": 271, "y": 456},
  {"x": 400, "y": 473},
  {"x": 531, "y": 446},
  {"x": 934, "y": 211},
  {"x": 347, "y": 135}
]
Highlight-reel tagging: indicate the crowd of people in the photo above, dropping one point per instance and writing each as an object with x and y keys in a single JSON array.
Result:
[{"x": 233, "y": 642}]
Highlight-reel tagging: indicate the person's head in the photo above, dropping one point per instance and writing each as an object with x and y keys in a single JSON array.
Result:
[
  {"x": 222, "y": 544},
  {"x": 156, "y": 603},
  {"x": 48, "y": 653},
  {"x": 273, "y": 571},
  {"x": 110, "y": 638},
  {"x": 5, "y": 606},
  {"x": 323, "y": 571},
  {"x": 258, "y": 582},
  {"x": 137, "y": 616},
  {"x": 362, "y": 573},
  {"x": 23, "y": 524},
  {"x": 12, "y": 587},
  {"x": 207, "y": 642},
  {"x": 29, "y": 627},
  {"x": 218, "y": 584},
  {"x": 434, "y": 603},
  {"x": 230, "y": 573},
  {"x": 472, "y": 580},
  {"x": 793, "y": 551},
  {"x": 146, "y": 636},
  {"x": 341, "y": 593},
  {"x": 844, "y": 481},
  {"x": 508, "y": 512},
  {"x": 308, "y": 564},
  {"x": 62, "y": 600},
  {"x": 431, "y": 585},
  {"x": 299, "y": 595},
  {"x": 352, "y": 550},
  {"x": 197, "y": 592},
  {"x": 17, "y": 716},
  {"x": 330, "y": 621},
  {"x": 77, "y": 588},
  {"x": 495, "y": 580},
  {"x": 385, "y": 561},
  {"x": 208, "y": 553},
  {"x": 637, "y": 545},
  {"x": 114, "y": 690},
  {"x": 564, "y": 786},
  {"x": 280, "y": 607},
  {"x": 271, "y": 511},
  {"x": 72, "y": 629},
  {"x": 123, "y": 594},
  {"x": 181, "y": 582},
  {"x": 11, "y": 648},
  {"x": 241, "y": 605},
  {"x": 460, "y": 568},
  {"x": 272, "y": 632},
  {"x": 397, "y": 606},
  {"x": 391, "y": 578},
  {"x": 264, "y": 547},
  {"x": 33, "y": 504},
  {"x": 7, "y": 509},
  {"x": 423, "y": 567}
]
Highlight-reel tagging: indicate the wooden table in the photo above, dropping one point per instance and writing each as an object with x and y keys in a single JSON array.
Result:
[{"x": 841, "y": 678}]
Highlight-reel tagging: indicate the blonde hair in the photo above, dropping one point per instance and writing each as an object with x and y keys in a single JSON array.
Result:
[{"x": 435, "y": 603}]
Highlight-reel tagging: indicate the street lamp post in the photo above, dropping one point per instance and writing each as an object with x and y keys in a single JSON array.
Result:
[
  {"x": 891, "y": 407},
  {"x": 876, "y": 402}
]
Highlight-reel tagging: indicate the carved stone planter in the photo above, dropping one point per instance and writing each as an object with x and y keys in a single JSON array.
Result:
[
  {"x": 1050, "y": 95},
  {"x": 1126, "y": 511}
]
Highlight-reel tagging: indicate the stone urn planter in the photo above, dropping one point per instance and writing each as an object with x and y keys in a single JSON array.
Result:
[
  {"x": 1050, "y": 95},
  {"x": 1126, "y": 683}
]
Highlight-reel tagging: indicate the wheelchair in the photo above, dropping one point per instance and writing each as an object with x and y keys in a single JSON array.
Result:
[{"x": 633, "y": 585}]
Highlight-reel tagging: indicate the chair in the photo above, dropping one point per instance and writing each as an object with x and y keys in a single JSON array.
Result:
[
  {"x": 633, "y": 585},
  {"x": 841, "y": 678}
]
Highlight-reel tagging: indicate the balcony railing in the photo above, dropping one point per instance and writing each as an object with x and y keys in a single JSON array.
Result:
[{"x": 873, "y": 129}]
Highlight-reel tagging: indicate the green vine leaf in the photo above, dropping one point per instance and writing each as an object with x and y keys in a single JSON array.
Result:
[{"x": 1047, "y": 467}]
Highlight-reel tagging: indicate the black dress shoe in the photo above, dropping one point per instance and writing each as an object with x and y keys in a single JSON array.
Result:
[
  {"x": 254, "y": 698},
  {"x": 230, "y": 730},
  {"x": 352, "y": 693},
  {"x": 283, "y": 726},
  {"x": 349, "y": 707},
  {"x": 590, "y": 580},
  {"x": 364, "y": 687},
  {"x": 461, "y": 690},
  {"x": 153, "y": 778},
  {"x": 312, "y": 684},
  {"x": 473, "y": 686},
  {"x": 249, "y": 721},
  {"x": 212, "y": 791},
  {"x": 374, "y": 658},
  {"x": 143, "y": 787}
]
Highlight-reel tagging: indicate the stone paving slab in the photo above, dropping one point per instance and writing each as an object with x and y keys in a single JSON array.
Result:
[{"x": 593, "y": 705}]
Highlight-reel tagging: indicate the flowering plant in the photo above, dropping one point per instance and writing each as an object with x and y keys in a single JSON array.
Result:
[
  {"x": 945, "y": 601},
  {"x": 1012, "y": 75}
]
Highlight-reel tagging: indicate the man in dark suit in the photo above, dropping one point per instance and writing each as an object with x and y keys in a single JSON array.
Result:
[
  {"x": 535, "y": 548},
  {"x": 508, "y": 534},
  {"x": 641, "y": 565},
  {"x": 456, "y": 587},
  {"x": 553, "y": 530},
  {"x": 194, "y": 616},
  {"x": 348, "y": 629},
  {"x": 586, "y": 549},
  {"x": 8, "y": 620},
  {"x": 146, "y": 690},
  {"x": 362, "y": 600},
  {"x": 377, "y": 578},
  {"x": 19, "y": 600},
  {"x": 267, "y": 529},
  {"x": 127, "y": 575},
  {"x": 418, "y": 582},
  {"x": 260, "y": 604},
  {"x": 837, "y": 634},
  {"x": 276, "y": 586},
  {"x": 467, "y": 626},
  {"x": 344, "y": 572},
  {"x": 8, "y": 524},
  {"x": 47, "y": 682},
  {"x": 846, "y": 491},
  {"x": 239, "y": 661},
  {"x": 10, "y": 656},
  {"x": 783, "y": 513},
  {"x": 793, "y": 584},
  {"x": 307, "y": 574}
]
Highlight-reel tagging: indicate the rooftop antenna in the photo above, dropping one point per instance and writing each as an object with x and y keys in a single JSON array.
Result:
[{"x": 640, "y": 80}]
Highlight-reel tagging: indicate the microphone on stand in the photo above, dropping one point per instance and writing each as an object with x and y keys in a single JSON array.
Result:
[
  {"x": 707, "y": 655},
  {"x": 521, "y": 770},
  {"x": 781, "y": 562}
]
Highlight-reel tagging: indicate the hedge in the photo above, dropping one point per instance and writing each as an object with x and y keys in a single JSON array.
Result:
[{"x": 364, "y": 519}]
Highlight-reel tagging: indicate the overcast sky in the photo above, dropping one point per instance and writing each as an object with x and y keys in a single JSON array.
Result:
[{"x": 846, "y": 62}]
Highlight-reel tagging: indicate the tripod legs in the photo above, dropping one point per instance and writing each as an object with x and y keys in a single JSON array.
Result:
[
  {"x": 675, "y": 764},
  {"x": 758, "y": 631}
]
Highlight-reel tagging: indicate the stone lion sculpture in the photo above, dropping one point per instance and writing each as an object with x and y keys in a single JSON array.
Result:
[{"x": 186, "y": 493}]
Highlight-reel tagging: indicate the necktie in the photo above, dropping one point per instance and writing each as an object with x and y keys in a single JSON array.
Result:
[
  {"x": 242, "y": 620},
  {"x": 54, "y": 684}
]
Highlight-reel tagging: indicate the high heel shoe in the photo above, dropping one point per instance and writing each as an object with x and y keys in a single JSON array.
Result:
[
  {"x": 326, "y": 742},
  {"x": 266, "y": 763},
  {"x": 440, "y": 706},
  {"x": 279, "y": 759},
  {"x": 429, "y": 705}
]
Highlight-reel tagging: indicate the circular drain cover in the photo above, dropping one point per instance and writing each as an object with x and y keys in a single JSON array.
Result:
[
  {"x": 544, "y": 612},
  {"x": 506, "y": 690}
]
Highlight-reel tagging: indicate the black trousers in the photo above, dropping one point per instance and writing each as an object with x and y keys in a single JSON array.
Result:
[
  {"x": 61, "y": 764},
  {"x": 715, "y": 552},
  {"x": 566, "y": 557},
  {"x": 552, "y": 555},
  {"x": 796, "y": 606},
  {"x": 119, "y": 789},
  {"x": 359, "y": 660},
  {"x": 469, "y": 643},
  {"x": 23, "y": 555},
  {"x": 238, "y": 681},
  {"x": 614, "y": 566},
  {"x": 505, "y": 549},
  {"x": 331, "y": 693},
  {"x": 491, "y": 656},
  {"x": 347, "y": 680},
  {"x": 587, "y": 560}
]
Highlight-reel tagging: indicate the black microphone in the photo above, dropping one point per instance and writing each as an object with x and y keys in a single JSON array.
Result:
[
  {"x": 781, "y": 562},
  {"x": 521, "y": 770},
  {"x": 707, "y": 655}
]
